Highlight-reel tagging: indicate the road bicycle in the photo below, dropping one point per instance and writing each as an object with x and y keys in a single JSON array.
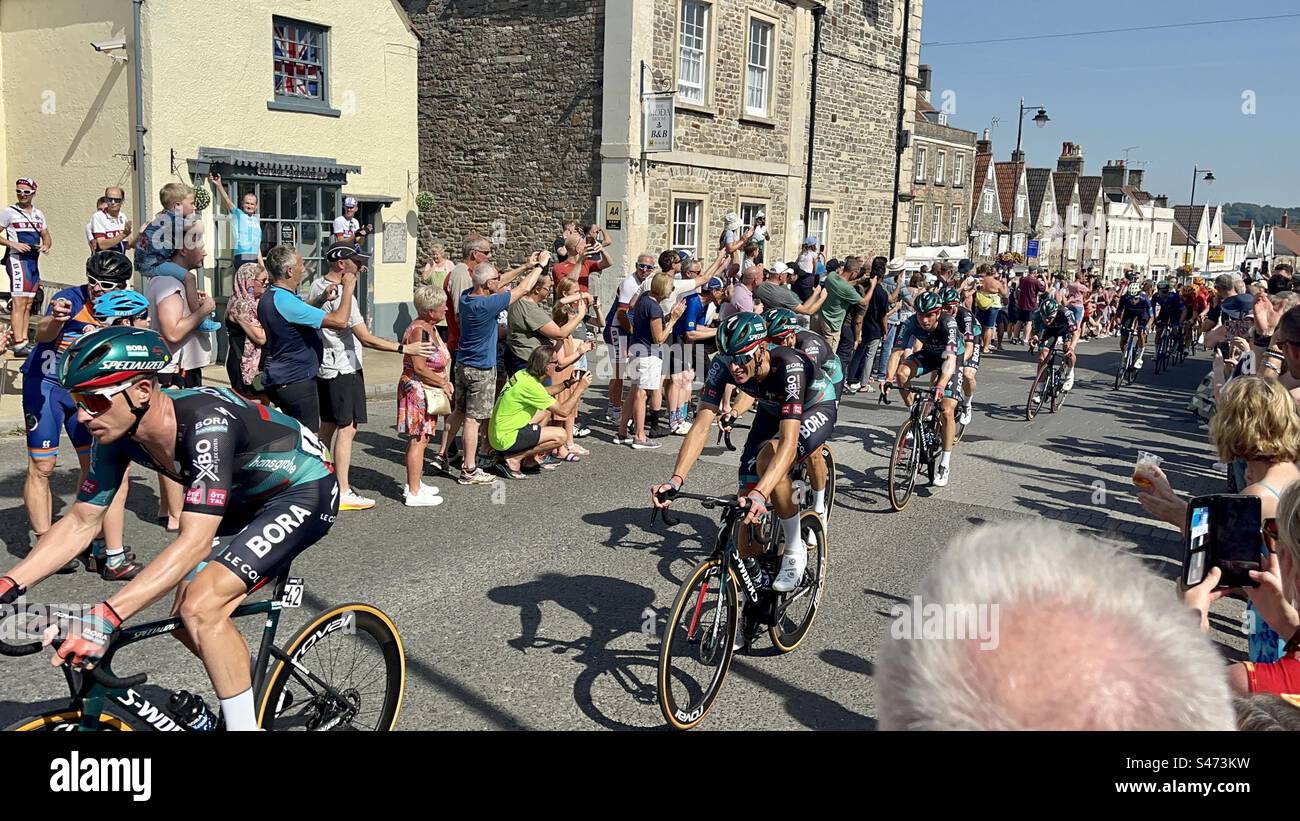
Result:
[
  {"x": 1167, "y": 347},
  {"x": 1125, "y": 373},
  {"x": 699, "y": 639},
  {"x": 1049, "y": 383},
  {"x": 917, "y": 443},
  {"x": 344, "y": 670}
]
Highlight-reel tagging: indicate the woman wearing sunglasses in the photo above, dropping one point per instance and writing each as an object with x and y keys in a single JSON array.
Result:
[{"x": 48, "y": 407}]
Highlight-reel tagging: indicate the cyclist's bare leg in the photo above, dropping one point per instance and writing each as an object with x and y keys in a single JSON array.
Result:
[
  {"x": 783, "y": 493},
  {"x": 817, "y": 472},
  {"x": 948, "y": 408},
  {"x": 205, "y": 607}
]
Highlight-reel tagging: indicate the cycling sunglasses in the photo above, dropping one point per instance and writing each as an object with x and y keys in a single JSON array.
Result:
[
  {"x": 93, "y": 403},
  {"x": 740, "y": 360},
  {"x": 104, "y": 285}
]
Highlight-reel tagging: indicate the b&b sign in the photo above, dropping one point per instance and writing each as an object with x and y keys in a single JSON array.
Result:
[{"x": 657, "y": 133}]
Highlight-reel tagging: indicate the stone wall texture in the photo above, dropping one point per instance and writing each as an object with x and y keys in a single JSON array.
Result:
[{"x": 510, "y": 111}]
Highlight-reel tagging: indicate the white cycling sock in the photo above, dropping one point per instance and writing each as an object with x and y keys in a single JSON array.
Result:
[
  {"x": 115, "y": 556},
  {"x": 793, "y": 541},
  {"x": 943, "y": 459},
  {"x": 819, "y": 501},
  {"x": 238, "y": 712}
]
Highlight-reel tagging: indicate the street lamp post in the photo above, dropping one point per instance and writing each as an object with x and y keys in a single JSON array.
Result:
[
  {"x": 1040, "y": 119},
  {"x": 1209, "y": 178}
]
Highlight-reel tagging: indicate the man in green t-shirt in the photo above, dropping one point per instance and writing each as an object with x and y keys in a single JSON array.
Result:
[
  {"x": 518, "y": 429},
  {"x": 840, "y": 297}
]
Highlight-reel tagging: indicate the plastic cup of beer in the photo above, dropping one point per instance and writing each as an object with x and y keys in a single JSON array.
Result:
[{"x": 1144, "y": 469}]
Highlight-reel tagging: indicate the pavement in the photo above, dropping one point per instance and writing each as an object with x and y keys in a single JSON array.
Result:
[{"x": 535, "y": 604}]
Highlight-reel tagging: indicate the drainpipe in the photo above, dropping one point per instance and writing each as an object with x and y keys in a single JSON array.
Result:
[
  {"x": 141, "y": 171},
  {"x": 817, "y": 12},
  {"x": 902, "y": 103}
]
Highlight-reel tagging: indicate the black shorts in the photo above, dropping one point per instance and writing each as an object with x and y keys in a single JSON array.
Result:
[
  {"x": 258, "y": 546},
  {"x": 815, "y": 427},
  {"x": 342, "y": 399},
  {"x": 921, "y": 365},
  {"x": 526, "y": 440},
  {"x": 181, "y": 379},
  {"x": 299, "y": 400}
]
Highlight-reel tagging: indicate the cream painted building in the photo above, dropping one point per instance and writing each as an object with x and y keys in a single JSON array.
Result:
[{"x": 301, "y": 102}]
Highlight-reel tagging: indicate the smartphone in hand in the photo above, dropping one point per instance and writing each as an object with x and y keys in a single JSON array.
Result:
[{"x": 1224, "y": 530}]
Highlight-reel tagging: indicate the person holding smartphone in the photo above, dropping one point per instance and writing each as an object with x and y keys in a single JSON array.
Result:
[
  {"x": 582, "y": 257},
  {"x": 1256, "y": 421}
]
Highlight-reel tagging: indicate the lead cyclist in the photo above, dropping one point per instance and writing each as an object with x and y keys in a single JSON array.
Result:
[{"x": 260, "y": 489}]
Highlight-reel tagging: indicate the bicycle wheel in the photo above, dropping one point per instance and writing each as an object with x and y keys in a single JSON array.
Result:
[
  {"x": 1123, "y": 366},
  {"x": 67, "y": 720},
  {"x": 353, "y": 648},
  {"x": 1058, "y": 394},
  {"x": 697, "y": 644},
  {"x": 904, "y": 461},
  {"x": 800, "y": 605},
  {"x": 1033, "y": 406}
]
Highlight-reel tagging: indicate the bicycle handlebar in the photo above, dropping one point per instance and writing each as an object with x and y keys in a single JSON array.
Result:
[
  {"x": 99, "y": 673},
  {"x": 731, "y": 502}
]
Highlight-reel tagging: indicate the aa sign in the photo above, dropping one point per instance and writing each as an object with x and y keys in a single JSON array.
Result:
[{"x": 657, "y": 133}]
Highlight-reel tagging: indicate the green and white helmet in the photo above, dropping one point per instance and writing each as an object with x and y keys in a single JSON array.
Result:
[
  {"x": 110, "y": 357},
  {"x": 741, "y": 333}
]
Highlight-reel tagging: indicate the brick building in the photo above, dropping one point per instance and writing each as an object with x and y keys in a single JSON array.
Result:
[
  {"x": 943, "y": 163},
  {"x": 987, "y": 223},
  {"x": 532, "y": 113}
]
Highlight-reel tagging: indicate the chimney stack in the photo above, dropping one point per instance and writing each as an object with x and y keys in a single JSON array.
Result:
[
  {"x": 1286, "y": 219},
  {"x": 1112, "y": 175},
  {"x": 1161, "y": 201},
  {"x": 1018, "y": 157},
  {"x": 1071, "y": 159},
  {"x": 1245, "y": 224},
  {"x": 984, "y": 145},
  {"x": 1135, "y": 178},
  {"x": 924, "y": 77}
]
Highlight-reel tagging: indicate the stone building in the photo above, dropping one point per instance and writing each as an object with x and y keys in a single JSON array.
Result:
[
  {"x": 533, "y": 113},
  {"x": 986, "y": 220},
  {"x": 1044, "y": 224},
  {"x": 943, "y": 162}
]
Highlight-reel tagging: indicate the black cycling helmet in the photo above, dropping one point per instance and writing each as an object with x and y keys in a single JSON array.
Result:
[
  {"x": 927, "y": 303},
  {"x": 109, "y": 266}
]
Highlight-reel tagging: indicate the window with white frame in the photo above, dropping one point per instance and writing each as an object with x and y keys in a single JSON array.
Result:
[
  {"x": 748, "y": 212},
  {"x": 1021, "y": 205},
  {"x": 1074, "y": 215},
  {"x": 936, "y": 226},
  {"x": 686, "y": 224},
  {"x": 988, "y": 202},
  {"x": 939, "y": 162},
  {"x": 958, "y": 167},
  {"x": 917, "y": 215},
  {"x": 819, "y": 226},
  {"x": 758, "y": 67},
  {"x": 954, "y": 225},
  {"x": 1074, "y": 247},
  {"x": 1096, "y": 246},
  {"x": 920, "y": 164},
  {"x": 693, "y": 52}
]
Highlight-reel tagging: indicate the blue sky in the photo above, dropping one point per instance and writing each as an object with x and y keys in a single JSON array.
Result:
[{"x": 1176, "y": 93}]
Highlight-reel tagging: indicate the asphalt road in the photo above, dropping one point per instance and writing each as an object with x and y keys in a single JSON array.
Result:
[{"x": 524, "y": 605}]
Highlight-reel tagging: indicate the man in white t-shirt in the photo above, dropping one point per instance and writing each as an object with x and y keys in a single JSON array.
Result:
[
  {"x": 90, "y": 226},
  {"x": 340, "y": 383},
  {"x": 109, "y": 228},
  {"x": 347, "y": 228}
]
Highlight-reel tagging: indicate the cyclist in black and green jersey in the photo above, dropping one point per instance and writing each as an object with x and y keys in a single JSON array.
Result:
[
  {"x": 260, "y": 489},
  {"x": 936, "y": 348},
  {"x": 1054, "y": 322},
  {"x": 970, "y": 329}
]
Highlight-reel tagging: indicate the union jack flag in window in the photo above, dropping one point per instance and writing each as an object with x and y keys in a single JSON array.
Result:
[{"x": 299, "y": 68}]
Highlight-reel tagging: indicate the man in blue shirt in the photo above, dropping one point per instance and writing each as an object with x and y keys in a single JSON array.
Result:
[
  {"x": 474, "y": 390},
  {"x": 247, "y": 227},
  {"x": 291, "y": 356}
]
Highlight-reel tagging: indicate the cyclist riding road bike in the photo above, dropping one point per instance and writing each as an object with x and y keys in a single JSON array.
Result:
[
  {"x": 937, "y": 347},
  {"x": 796, "y": 414},
  {"x": 260, "y": 489},
  {"x": 970, "y": 330},
  {"x": 1135, "y": 313},
  {"x": 1053, "y": 322}
]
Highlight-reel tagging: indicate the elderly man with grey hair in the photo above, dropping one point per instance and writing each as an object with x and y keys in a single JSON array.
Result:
[
  {"x": 474, "y": 388},
  {"x": 1083, "y": 637}
]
